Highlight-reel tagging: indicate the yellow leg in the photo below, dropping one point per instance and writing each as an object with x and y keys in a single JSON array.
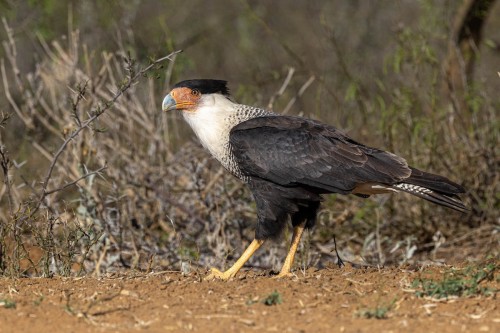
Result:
[
  {"x": 297, "y": 234},
  {"x": 216, "y": 274}
]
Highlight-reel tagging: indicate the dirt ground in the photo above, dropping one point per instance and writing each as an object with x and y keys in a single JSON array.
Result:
[{"x": 327, "y": 300}]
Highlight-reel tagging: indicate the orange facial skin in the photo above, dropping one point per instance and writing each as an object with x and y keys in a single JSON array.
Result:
[{"x": 185, "y": 98}]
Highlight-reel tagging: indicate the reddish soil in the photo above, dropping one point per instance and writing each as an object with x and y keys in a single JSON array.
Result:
[{"x": 328, "y": 300}]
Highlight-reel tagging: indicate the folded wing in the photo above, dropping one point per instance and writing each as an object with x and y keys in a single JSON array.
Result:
[{"x": 292, "y": 151}]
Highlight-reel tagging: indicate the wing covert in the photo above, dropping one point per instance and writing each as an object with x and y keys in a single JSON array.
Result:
[{"x": 292, "y": 151}]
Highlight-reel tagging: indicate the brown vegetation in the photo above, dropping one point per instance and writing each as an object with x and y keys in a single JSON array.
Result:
[
  {"x": 110, "y": 214},
  {"x": 96, "y": 179}
]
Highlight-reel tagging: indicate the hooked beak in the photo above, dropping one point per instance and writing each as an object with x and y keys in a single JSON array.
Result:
[{"x": 169, "y": 103}]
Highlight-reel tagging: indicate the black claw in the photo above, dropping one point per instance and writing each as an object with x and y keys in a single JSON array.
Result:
[{"x": 340, "y": 262}]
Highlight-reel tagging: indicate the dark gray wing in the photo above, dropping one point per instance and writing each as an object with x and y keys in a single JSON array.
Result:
[{"x": 293, "y": 151}]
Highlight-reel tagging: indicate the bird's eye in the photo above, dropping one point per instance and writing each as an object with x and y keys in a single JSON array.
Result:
[{"x": 195, "y": 92}]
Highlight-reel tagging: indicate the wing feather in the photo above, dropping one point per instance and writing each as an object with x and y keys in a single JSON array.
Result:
[{"x": 292, "y": 151}]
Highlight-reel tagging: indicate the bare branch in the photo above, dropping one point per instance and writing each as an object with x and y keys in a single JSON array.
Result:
[
  {"x": 281, "y": 91},
  {"x": 300, "y": 92},
  {"x": 5, "y": 165},
  {"x": 27, "y": 121},
  {"x": 74, "y": 182},
  {"x": 79, "y": 97},
  {"x": 133, "y": 76},
  {"x": 11, "y": 51},
  {"x": 3, "y": 119}
]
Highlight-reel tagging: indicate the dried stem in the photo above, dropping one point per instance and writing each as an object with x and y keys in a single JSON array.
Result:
[
  {"x": 281, "y": 91},
  {"x": 132, "y": 77},
  {"x": 74, "y": 182},
  {"x": 299, "y": 94},
  {"x": 5, "y": 165}
]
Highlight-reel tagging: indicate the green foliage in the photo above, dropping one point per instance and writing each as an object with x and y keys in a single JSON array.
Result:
[
  {"x": 39, "y": 300},
  {"x": 456, "y": 282},
  {"x": 352, "y": 91},
  {"x": 378, "y": 312},
  {"x": 189, "y": 253},
  {"x": 383, "y": 84},
  {"x": 8, "y": 304},
  {"x": 273, "y": 299},
  {"x": 47, "y": 25}
]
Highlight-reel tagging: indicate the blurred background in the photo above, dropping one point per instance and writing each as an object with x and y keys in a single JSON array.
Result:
[{"x": 132, "y": 188}]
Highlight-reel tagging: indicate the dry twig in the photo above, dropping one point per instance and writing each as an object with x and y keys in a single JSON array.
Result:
[{"x": 132, "y": 77}]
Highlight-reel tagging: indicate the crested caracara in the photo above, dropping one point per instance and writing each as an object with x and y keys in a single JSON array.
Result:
[{"x": 288, "y": 163}]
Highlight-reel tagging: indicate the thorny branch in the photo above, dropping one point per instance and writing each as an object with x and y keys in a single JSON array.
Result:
[
  {"x": 3, "y": 119},
  {"x": 5, "y": 165},
  {"x": 74, "y": 182},
  {"x": 11, "y": 53},
  {"x": 131, "y": 78},
  {"x": 81, "y": 89}
]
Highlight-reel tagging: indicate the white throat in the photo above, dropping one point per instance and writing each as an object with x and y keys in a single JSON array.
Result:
[{"x": 212, "y": 122}]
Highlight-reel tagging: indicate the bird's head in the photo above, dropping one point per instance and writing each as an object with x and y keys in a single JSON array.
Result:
[{"x": 189, "y": 94}]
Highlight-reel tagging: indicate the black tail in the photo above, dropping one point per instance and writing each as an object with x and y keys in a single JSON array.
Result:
[{"x": 437, "y": 189}]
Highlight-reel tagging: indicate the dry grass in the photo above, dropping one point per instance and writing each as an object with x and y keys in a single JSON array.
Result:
[{"x": 101, "y": 181}]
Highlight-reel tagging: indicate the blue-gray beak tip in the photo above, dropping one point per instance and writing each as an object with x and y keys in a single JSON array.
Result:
[{"x": 168, "y": 103}]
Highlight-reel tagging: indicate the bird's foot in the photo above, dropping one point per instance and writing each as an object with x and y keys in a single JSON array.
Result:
[
  {"x": 340, "y": 262},
  {"x": 215, "y": 274}
]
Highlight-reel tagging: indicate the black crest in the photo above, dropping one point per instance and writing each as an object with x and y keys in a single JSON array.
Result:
[{"x": 206, "y": 86}]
